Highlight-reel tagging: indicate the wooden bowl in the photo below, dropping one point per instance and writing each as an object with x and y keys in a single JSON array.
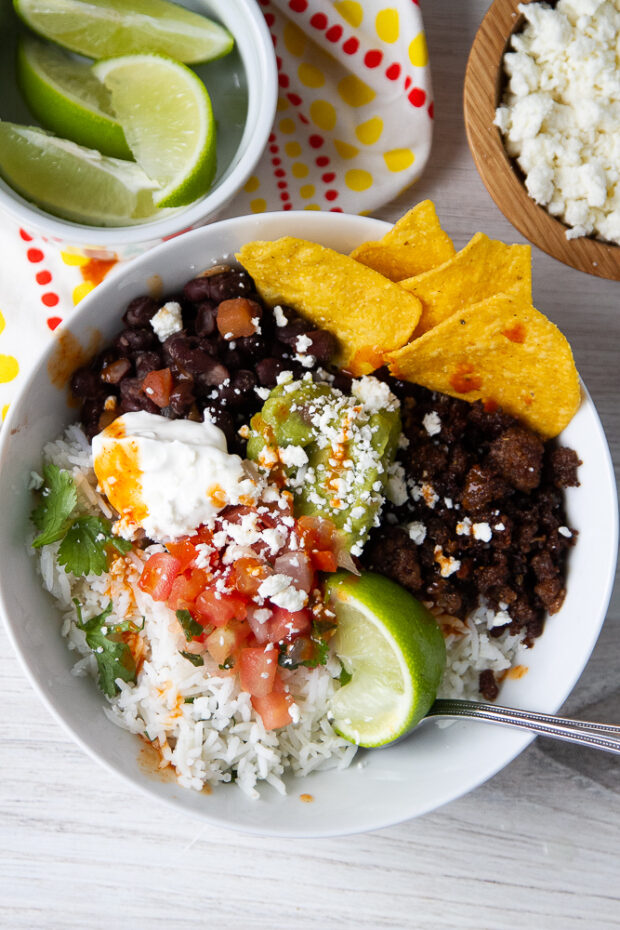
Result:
[{"x": 484, "y": 81}]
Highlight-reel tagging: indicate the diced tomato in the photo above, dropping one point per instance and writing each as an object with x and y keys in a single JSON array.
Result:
[
  {"x": 158, "y": 575},
  {"x": 183, "y": 550},
  {"x": 157, "y": 386},
  {"x": 257, "y": 670},
  {"x": 186, "y": 588},
  {"x": 273, "y": 709},
  {"x": 260, "y": 629},
  {"x": 324, "y": 560},
  {"x": 286, "y": 624},
  {"x": 248, "y": 575},
  {"x": 235, "y": 317},
  {"x": 213, "y": 607},
  {"x": 297, "y": 565},
  {"x": 202, "y": 535},
  {"x": 318, "y": 533}
]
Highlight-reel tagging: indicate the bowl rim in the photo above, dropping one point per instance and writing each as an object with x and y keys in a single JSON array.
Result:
[
  {"x": 258, "y": 58},
  {"x": 481, "y": 95},
  {"x": 371, "y": 820}
]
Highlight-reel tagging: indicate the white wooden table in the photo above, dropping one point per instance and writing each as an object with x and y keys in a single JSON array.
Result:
[{"x": 537, "y": 847}]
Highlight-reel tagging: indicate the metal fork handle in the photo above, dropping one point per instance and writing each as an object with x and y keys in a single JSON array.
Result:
[{"x": 604, "y": 736}]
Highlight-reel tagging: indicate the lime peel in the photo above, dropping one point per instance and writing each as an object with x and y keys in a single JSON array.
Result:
[{"x": 395, "y": 652}]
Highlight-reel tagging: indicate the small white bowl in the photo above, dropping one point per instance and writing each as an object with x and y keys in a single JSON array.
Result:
[
  {"x": 383, "y": 787},
  {"x": 244, "y": 89}
]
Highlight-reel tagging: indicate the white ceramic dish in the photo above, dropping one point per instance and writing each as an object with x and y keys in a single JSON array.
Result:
[
  {"x": 382, "y": 787},
  {"x": 243, "y": 88}
]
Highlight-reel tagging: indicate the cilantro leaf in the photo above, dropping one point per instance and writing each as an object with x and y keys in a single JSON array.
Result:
[
  {"x": 194, "y": 659},
  {"x": 83, "y": 550},
  {"x": 57, "y": 503},
  {"x": 114, "y": 657},
  {"x": 190, "y": 627},
  {"x": 344, "y": 677}
]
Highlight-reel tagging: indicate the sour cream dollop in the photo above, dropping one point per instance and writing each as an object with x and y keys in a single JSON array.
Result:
[{"x": 168, "y": 476}]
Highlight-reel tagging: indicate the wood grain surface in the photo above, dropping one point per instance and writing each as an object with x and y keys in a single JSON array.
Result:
[
  {"x": 482, "y": 94},
  {"x": 536, "y": 848}
]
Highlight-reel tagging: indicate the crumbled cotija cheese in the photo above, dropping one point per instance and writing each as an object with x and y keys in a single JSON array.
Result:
[
  {"x": 560, "y": 116},
  {"x": 167, "y": 320}
]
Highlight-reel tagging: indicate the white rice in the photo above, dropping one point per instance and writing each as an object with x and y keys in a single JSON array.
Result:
[{"x": 200, "y": 721}]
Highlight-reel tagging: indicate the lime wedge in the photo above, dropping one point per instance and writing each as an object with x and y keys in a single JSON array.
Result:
[
  {"x": 109, "y": 28},
  {"x": 66, "y": 97},
  {"x": 395, "y": 653},
  {"x": 166, "y": 115},
  {"x": 73, "y": 182}
]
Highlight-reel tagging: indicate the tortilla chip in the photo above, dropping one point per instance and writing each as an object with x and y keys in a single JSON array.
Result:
[
  {"x": 365, "y": 311},
  {"x": 415, "y": 244},
  {"x": 483, "y": 268},
  {"x": 502, "y": 351}
]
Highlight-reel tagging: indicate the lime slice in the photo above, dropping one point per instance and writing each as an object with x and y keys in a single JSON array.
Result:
[
  {"x": 66, "y": 97},
  {"x": 395, "y": 653},
  {"x": 73, "y": 182},
  {"x": 166, "y": 115},
  {"x": 109, "y": 28}
]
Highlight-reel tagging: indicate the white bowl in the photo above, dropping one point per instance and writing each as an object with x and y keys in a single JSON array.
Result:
[
  {"x": 384, "y": 786},
  {"x": 243, "y": 87}
]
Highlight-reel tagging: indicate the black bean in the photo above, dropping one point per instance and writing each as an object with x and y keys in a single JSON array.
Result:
[
  {"x": 322, "y": 345},
  {"x": 243, "y": 381},
  {"x": 252, "y": 347},
  {"x": 290, "y": 333},
  {"x": 232, "y": 359},
  {"x": 267, "y": 370},
  {"x": 147, "y": 361},
  {"x": 214, "y": 375},
  {"x": 223, "y": 419},
  {"x": 85, "y": 382},
  {"x": 181, "y": 397},
  {"x": 116, "y": 371},
  {"x": 92, "y": 408},
  {"x": 187, "y": 352},
  {"x": 133, "y": 397},
  {"x": 343, "y": 381},
  {"x": 134, "y": 340},
  {"x": 218, "y": 287},
  {"x": 206, "y": 314},
  {"x": 140, "y": 311}
]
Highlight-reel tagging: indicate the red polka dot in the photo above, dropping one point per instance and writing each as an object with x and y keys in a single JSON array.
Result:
[
  {"x": 319, "y": 21},
  {"x": 43, "y": 277},
  {"x": 287, "y": 206},
  {"x": 276, "y": 161},
  {"x": 316, "y": 141},
  {"x": 328, "y": 178},
  {"x": 25, "y": 236},
  {"x": 270, "y": 19},
  {"x": 34, "y": 255},
  {"x": 50, "y": 299},
  {"x": 274, "y": 149},
  {"x": 295, "y": 99},
  {"x": 335, "y": 209},
  {"x": 393, "y": 72},
  {"x": 278, "y": 62},
  {"x": 431, "y": 110},
  {"x": 264, "y": 2},
  {"x": 373, "y": 58},
  {"x": 54, "y": 321},
  {"x": 322, "y": 161},
  {"x": 417, "y": 97},
  {"x": 281, "y": 185},
  {"x": 272, "y": 137},
  {"x": 280, "y": 173},
  {"x": 283, "y": 80},
  {"x": 298, "y": 6},
  {"x": 304, "y": 119},
  {"x": 350, "y": 46},
  {"x": 407, "y": 83},
  {"x": 274, "y": 41},
  {"x": 284, "y": 196},
  {"x": 331, "y": 195},
  {"x": 333, "y": 34}
]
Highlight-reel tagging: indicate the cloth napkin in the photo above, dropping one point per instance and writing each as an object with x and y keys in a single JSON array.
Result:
[{"x": 353, "y": 129}]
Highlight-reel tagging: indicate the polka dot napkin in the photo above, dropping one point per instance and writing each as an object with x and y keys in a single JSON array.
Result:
[{"x": 353, "y": 129}]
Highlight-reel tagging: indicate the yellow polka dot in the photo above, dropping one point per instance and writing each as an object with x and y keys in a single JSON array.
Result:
[
  {"x": 399, "y": 159},
  {"x": 306, "y": 190},
  {"x": 358, "y": 180},
  {"x": 73, "y": 258},
  {"x": 418, "y": 52},
  {"x": 351, "y": 11},
  {"x": 386, "y": 24},
  {"x": 252, "y": 184},
  {"x": 282, "y": 104},
  {"x": 292, "y": 149},
  {"x": 300, "y": 170},
  {"x": 287, "y": 125},
  {"x": 258, "y": 206},
  {"x": 369, "y": 132},
  {"x": 9, "y": 368},
  {"x": 312, "y": 206},
  {"x": 345, "y": 150},
  {"x": 355, "y": 92},
  {"x": 310, "y": 76},
  {"x": 294, "y": 39},
  {"x": 5, "y": 410},
  {"x": 323, "y": 114},
  {"x": 80, "y": 292},
  {"x": 2, "y": 324}
]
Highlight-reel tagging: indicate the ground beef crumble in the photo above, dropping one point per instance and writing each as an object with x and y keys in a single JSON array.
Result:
[{"x": 495, "y": 526}]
